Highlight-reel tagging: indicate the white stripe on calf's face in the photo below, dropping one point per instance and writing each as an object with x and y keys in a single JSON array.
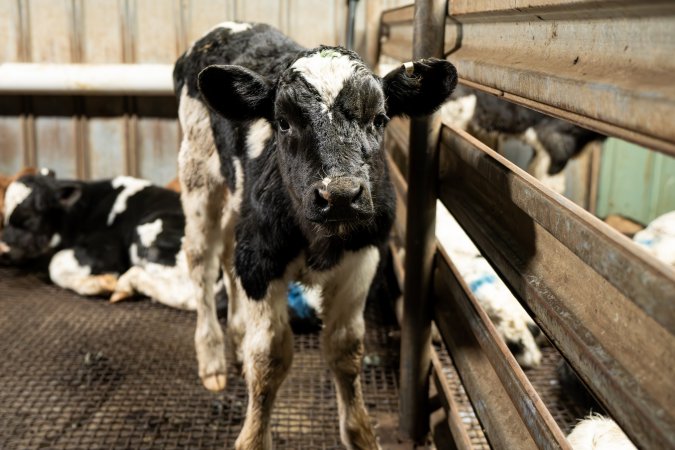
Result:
[
  {"x": 16, "y": 193},
  {"x": 327, "y": 70}
]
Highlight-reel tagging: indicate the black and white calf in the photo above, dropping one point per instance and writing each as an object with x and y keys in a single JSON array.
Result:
[
  {"x": 539, "y": 144},
  {"x": 283, "y": 178},
  {"x": 93, "y": 232}
]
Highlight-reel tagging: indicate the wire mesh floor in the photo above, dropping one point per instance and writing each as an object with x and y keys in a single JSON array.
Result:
[
  {"x": 564, "y": 409},
  {"x": 78, "y": 373}
]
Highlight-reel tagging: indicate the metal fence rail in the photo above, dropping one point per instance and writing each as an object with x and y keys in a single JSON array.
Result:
[
  {"x": 607, "y": 306},
  {"x": 605, "y": 66}
]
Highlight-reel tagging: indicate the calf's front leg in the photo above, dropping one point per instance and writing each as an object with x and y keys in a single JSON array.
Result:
[
  {"x": 267, "y": 350},
  {"x": 67, "y": 271},
  {"x": 342, "y": 342}
]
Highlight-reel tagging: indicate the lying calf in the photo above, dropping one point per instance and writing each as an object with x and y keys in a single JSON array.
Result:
[
  {"x": 5, "y": 181},
  {"x": 659, "y": 238},
  {"x": 283, "y": 177},
  {"x": 597, "y": 432},
  {"x": 514, "y": 325},
  {"x": 95, "y": 232}
]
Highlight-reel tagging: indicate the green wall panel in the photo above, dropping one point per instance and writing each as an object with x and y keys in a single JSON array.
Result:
[{"x": 635, "y": 182}]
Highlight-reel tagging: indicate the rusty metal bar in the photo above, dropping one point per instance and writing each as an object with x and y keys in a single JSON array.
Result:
[
  {"x": 397, "y": 140},
  {"x": 402, "y": 14},
  {"x": 459, "y": 434},
  {"x": 401, "y": 206},
  {"x": 398, "y": 49},
  {"x": 618, "y": 83},
  {"x": 583, "y": 284},
  {"x": 420, "y": 237},
  {"x": 579, "y": 119},
  {"x": 457, "y": 427},
  {"x": 396, "y": 32},
  {"x": 648, "y": 282},
  {"x": 499, "y": 417},
  {"x": 543, "y": 428}
]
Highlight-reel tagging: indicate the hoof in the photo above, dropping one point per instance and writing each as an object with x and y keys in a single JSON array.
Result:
[
  {"x": 214, "y": 383},
  {"x": 118, "y": 296},
  {"x": 107, "y": 282}
]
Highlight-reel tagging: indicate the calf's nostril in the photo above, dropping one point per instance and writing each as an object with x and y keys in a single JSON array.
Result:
[
  {"x": 357, "y": 194},
  {"x": 321, "y": 198}
]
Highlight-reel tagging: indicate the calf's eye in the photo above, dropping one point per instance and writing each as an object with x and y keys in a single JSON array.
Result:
[
  {"x": 380, "y": 120},
  {"x": 283, "y": 124}
]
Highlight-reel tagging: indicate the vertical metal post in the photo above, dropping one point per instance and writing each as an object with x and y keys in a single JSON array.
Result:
[
  {"x": 351, "y": 19},
  {"x": 428, "y": 38}
]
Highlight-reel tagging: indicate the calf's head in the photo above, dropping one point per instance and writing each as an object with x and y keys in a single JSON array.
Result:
[
  {"x": 34, "y": 209},
  {"x": 328, "y": 113}
]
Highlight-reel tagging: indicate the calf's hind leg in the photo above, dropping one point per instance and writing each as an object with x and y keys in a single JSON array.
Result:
[{"x": 202, "y": 194}]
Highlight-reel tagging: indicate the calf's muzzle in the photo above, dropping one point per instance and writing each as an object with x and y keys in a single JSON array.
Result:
[{"x": 339, "y": 199}]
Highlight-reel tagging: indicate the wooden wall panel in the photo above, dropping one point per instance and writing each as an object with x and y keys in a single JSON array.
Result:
[
  {"x": 51, "y": 30},
  {"x": 157, "y": 38},
  {"x": 10, "y": 31},
  {"x": 102, "y": 33},
  {"x": 12, "y": 146},
  {"x": 157, "y": 139},
  {"x": 158, "y": 152},
  {"x": 273, "y": 13},
  {"x": 303, "y": 19},
  {"x": 11, "y": 135},
  {"x": 51, "y": 40},
  {"x": 199, "y": 16},
  {"x": 155, "y": 25},
  {"x": 102, "y": 30},
  {"x": 94, "y": 137}
]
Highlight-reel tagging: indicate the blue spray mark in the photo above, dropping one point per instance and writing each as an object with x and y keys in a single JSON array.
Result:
[
  {"x": 479, "y": 282},
  {"x": 298, "y": 302}
]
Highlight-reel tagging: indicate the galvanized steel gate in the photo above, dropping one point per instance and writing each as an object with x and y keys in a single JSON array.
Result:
[{"x": 607, "y": 307}]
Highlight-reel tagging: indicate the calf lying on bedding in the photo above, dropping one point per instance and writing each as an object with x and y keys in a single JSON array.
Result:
[
  {"x": 5, "y": 181},
  {"x": 94, "y": 232},
  {"x": 514, "y": 325},
  {"x": 153, "y": 264},
  {"x": 283, "y": 178}
]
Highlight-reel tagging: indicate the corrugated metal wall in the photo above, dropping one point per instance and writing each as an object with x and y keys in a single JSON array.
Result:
[{"x": 93, "y": 137}]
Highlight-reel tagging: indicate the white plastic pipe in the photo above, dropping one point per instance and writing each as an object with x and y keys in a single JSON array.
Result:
[{"x": 86, "y": 79}]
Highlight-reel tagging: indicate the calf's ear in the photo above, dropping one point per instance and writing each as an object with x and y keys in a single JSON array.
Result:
[
  {"x": 421, "y": 89},
  {"x": 236, "y": 93},
  {"x": 68, "y": 194}
]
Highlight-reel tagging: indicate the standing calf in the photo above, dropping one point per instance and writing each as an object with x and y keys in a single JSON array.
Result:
[{"x": 283, "y": 177}]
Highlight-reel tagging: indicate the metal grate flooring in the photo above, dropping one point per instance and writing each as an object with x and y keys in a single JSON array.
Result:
[
  {"x": 79, "y": 373},
  {"x": 544, "y": 379}
]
